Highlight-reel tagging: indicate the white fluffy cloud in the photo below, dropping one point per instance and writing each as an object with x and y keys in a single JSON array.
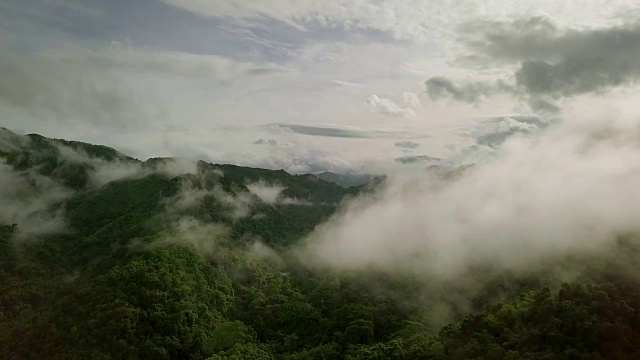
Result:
[
  {"x": 267, "y": 193},
  {"x": 411, "y": 99},
  {"x": 570, "y": 188},
  {"x": 387, "y": 107},
  {"x": 272, "y": 194}
]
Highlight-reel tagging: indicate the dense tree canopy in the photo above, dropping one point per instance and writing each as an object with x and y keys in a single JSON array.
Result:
[{"x": 125, "y": 281}]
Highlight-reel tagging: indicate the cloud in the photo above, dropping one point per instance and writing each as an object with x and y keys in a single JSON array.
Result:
[
  {"x": 553, "y": 62},
  {"x": 472, "y": 92},
  {"x": 204, "y": 187},
  {"x": 496, "y": 130},
  {"x": 387, "y": 107},
  {"x": 27, "y": 199},
  {"x": 404, "y": 20},
  {"x": 272, "y": 194},
  {"x": 421, "y": 159},
  {"x": 543, "y": 105},
  {"x": 204, "y": 237},
  {"x": 107, "y": 171},
  {"x": 291, "y": 154},
  {"x": 269, "y": 142},
  {"x": 294, "y": 158},
  {"x": 10, "y": 142},
  {"x": 259, "y": 250},
  {"x": 110, "y": 90},
  {"x": 344, "y": 132},
  {"x": 476, "y": 91},
  {"x": 249, "y": 64},
  {"x": 295, "y": 201},
  {"x": 397, "y": 18},
  {"x": 174, "y": 166},
  {"x": 64, "y": 92},
  {"x": 125, "y": 57},
  {"x": 407, "y": 144},
  {"x": 103, "y": 166},
  {"x": 41, "y": 17},
  {"x": 411, "y": 99},
  {"x": 489, "y": 134},
  {"x": 569, "y": 189},
  {"x": 103, "y": 171},
  {"x": 346, "y": 84},
  {"x": 267, "y": 193}
]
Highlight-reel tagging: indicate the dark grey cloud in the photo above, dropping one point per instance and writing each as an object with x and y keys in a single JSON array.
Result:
[
  {"x": 407, "y": 144},
  {"x": 474, "y": 92},
  {"x": 509, "y": 41},
  {"x": 344, "y": 132},
  {"x": 553, "y": 62},
  {"x": 417, "y": 159},
  {"x": 441, "y": 87},
  {"x": 543, "y": 105}
]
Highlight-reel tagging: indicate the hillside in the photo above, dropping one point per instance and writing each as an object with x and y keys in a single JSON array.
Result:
[{"x": 103, "y": 256}]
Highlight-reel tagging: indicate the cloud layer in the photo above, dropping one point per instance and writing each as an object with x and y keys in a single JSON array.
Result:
[
  {"x": 571, "y": 188},
  {"x": 387, "y": 107},
  {"x": 561, "y": 62},
  {"x": 552, "y": 62},
  {"x": 346, "y": 132}
]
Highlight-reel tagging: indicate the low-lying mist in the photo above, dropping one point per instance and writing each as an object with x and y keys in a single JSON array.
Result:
[
  {"x": 27, "y": 199},
  {"x": 569, "y": 189}
]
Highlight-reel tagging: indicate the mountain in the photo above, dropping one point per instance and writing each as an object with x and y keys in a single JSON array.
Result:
[
  {"x": 109, "y": 185},
  {"x": 345, "y": 180},
  {"x": 68, "y": 162},
  {"x": 103, "y": 256}
]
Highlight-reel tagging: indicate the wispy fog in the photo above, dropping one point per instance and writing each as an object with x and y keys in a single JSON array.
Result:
[{"x": 571, "y": 188}]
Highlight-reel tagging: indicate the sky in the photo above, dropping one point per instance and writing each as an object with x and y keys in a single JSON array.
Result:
[{"x": 342, "y": 85}]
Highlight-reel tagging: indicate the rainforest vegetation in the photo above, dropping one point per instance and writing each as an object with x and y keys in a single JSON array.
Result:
[{"x": 176, "y": 264}]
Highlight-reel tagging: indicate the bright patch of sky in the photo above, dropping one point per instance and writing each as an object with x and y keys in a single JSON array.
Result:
[{"x": 208, "y": 79}]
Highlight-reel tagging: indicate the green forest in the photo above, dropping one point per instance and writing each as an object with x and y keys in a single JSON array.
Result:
[{"x": 164, "y": 264}]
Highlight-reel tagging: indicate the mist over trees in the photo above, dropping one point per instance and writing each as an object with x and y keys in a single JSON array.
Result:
[{"x": 202, "y": 261}]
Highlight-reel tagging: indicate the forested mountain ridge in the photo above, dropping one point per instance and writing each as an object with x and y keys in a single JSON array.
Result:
[{"x": 103, "y": 256}]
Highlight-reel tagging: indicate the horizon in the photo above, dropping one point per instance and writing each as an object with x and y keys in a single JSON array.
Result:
[{"x": 340, "y": 86}]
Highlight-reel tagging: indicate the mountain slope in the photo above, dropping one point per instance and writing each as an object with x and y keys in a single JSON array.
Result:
[{"x": 103, "y": 256}]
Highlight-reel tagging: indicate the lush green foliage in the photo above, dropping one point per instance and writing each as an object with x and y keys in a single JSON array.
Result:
[
  {"x": 49, "y": 158},
  {"x": 126, "y": 282}
]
